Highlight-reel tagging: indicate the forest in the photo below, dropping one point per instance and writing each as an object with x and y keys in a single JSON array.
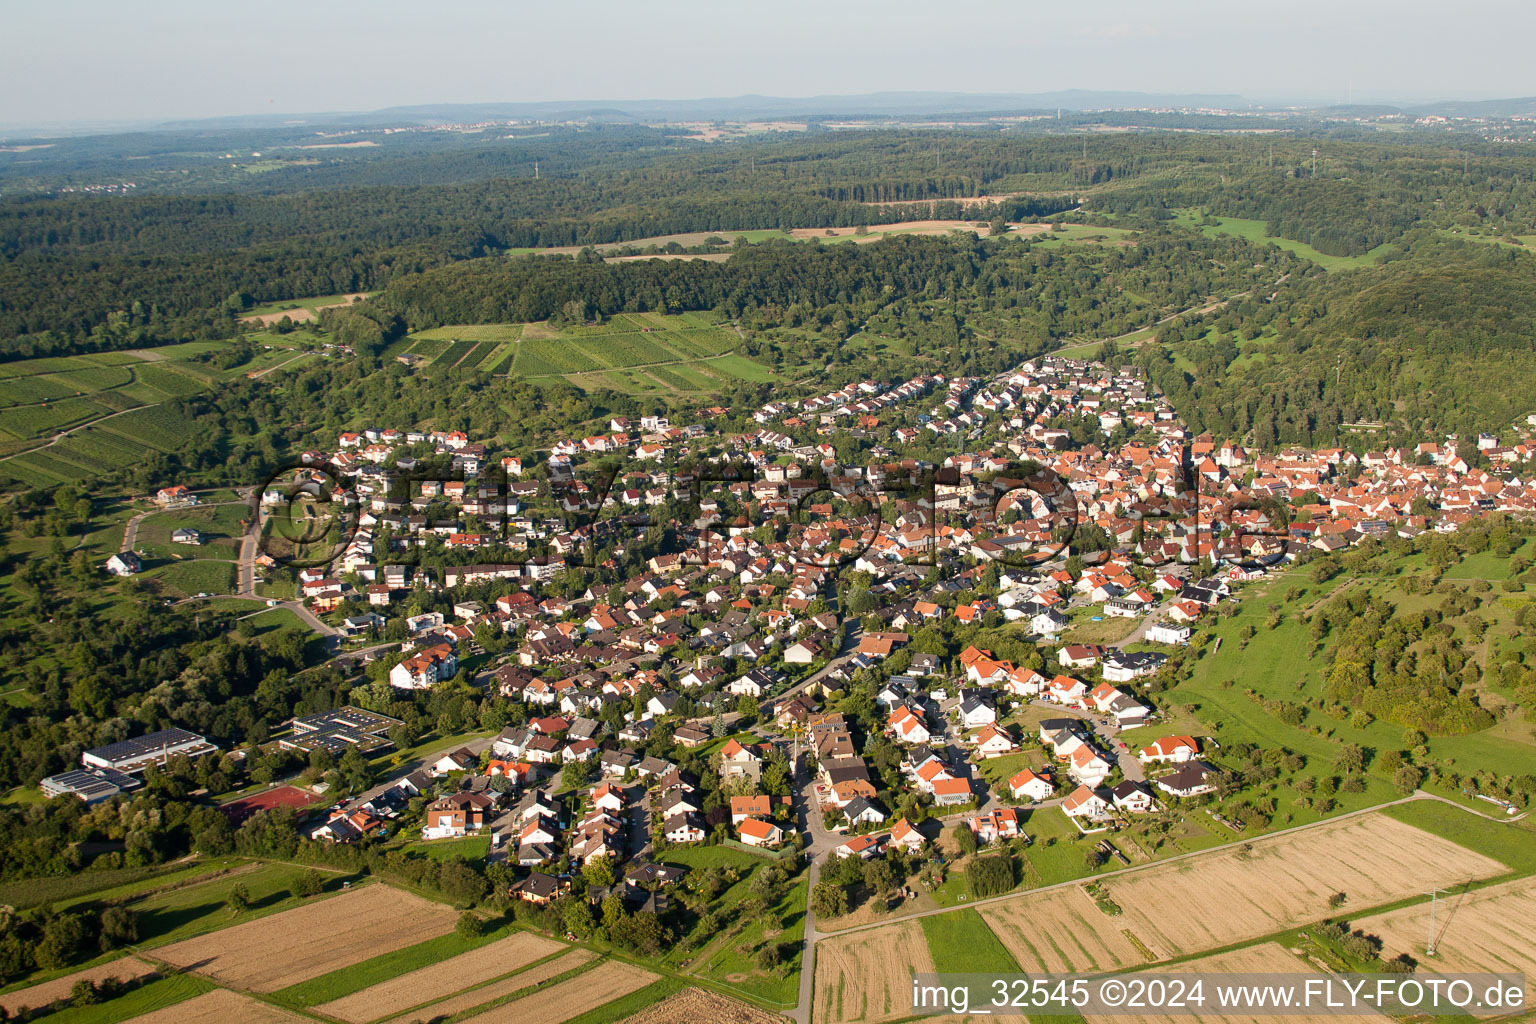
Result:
[
  {"x": 82, "y": 273},
  {"x": 1416, "y": 348}
]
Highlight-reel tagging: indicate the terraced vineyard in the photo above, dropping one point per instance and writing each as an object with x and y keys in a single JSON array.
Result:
[{"x": 638, "y": 353}]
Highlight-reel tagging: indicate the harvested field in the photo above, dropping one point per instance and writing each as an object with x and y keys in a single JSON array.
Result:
[
  {"x": 1474, "y": 931},
  {"x": 602, "y": 984},
  {"x": 905, "y": 227},
  {"x": 35, "y": 996},
  {"x": 1266, "y": 958},
  {"x": 695, "y": 1005},
  {"x": 444, "y": 1008},
  {"x": 1270, "y": 885},
  {"x": 867, "y": 976},
  {"x": 220, "y": 1006},
  {"x": 299, "y": 314},
  {"x": 441, "y": 979},
  {"x": 323, "y": 936},
  {"x": 1061, "y": 930}
]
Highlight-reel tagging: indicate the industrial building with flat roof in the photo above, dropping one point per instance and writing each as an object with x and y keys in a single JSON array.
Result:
[
  {"x": 339, "y": 729},
  {"x": 89, "y": 784},
  {"x": 153, "y": 748}
]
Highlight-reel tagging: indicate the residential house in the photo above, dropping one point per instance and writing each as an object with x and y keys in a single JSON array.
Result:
[
  {"x": 1084, "y": 804},
  {"x": 1028, "y": 785}
]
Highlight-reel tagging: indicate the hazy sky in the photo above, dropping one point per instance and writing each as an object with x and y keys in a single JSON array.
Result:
[{"x": 95, "y": 60}]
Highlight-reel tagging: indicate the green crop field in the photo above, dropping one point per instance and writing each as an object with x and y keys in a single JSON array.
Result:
[
  {"x": 635, "y": 353},
  {"x": 962, "y": 942},
  {"x": 451, "y": 355}
]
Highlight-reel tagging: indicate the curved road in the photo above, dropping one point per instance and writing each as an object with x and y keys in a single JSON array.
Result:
[{"x": 246, "y": 580}]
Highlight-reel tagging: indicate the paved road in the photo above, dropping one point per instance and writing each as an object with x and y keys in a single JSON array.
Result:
[
  {"x": 246, "y": 580},
  {"x": 843, "y": 656},
  {"x": 131, "y": 528},
  {"x": 808, "y": 819},
  {"x": 1138, "y": 634},
  {"x": 1109, "y": 737},
  {"x": 476, "y": 746}
]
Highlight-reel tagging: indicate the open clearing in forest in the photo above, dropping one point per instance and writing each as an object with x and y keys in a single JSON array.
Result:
[
  {"x": 126, "y": 969},
  {"x": 1474, "y": 931},
  {"x": 697, "y": 1006},
  {"x": 587, "y": 991},
  {"x": 867, "y": 976},
  {"x": 1265, "y": 958},
  {"x": 220, "y": 1006},
  {"x": 441, "y": 979},
  {"x": 1269, "y": 885},
  {"x": 323, "y": 936},
  {"x": 300, "y": 310},
  {"x": 912, "y": 227},
  {"x": 1062, "y": 930}
]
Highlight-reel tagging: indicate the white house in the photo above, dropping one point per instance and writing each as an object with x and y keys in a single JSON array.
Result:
[
  {"x": 1029, "y": 786},
  {"x": 1168, "y": 633},
  {"x": 1085, "y": 804},
  {"x": 1168, "y": 750},
  {"x": 993, "y": 742}
]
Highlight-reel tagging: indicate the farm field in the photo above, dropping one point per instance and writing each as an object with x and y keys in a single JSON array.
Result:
[
  {"x": 1270, "y": 885},
  {"x": 172, "y": 915},
  {"x": 962, "y": 942},
  {"x": 1265, "y": 958},
  {"x": 872, "y": 233},
  {"x": 442, "y": 979},
  {"x": 696, "y": 1005},
  {"x": 313, "y": 939},
  {"x": 111, "y": 408},
  {"x": 1062, "y": 930},
  {"x": 638, "y": 353},
  {"x": 575, "y": 960},
  {"x": 127, "y": 968},
  {"x": 1473, "y": 931},
  {"x": 587, "y": 991},
  {"x": 867, "y": 976},
  {"x": 298, "y": 310},
  {"x": 219, "y": 1007}
]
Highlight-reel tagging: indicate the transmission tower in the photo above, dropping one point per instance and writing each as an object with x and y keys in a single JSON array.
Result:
[{"x": 1429, "y": 943}]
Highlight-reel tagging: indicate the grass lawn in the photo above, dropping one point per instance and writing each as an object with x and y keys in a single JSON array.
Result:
[
  {"x": 1257, "y": 231},
  {"x": 962, "y": 943},
  {"x": 1513, "y": 844},
  {"x": 998, "y": 770},
  {"x": 196, "y": 576},
  {"x": 732, "y": 962},
  {"x": 155, "y": 995},
  {"x": 182, "y": 913},
  {"x": 471, "y": 848},
  {"x": 1108, "y": 630},
  {"x": 66, "y": 890}
]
